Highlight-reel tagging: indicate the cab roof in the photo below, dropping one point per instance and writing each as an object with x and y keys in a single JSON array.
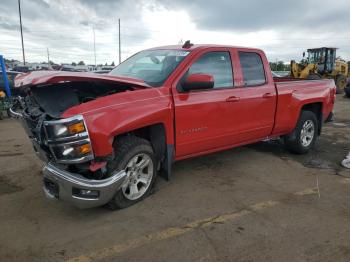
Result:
[
  {"x": 319, "y": 48},
  {"x": 197, "y": 47}
]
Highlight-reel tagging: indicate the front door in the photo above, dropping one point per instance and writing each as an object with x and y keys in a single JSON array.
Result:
[{"x": 200, "y": 116}]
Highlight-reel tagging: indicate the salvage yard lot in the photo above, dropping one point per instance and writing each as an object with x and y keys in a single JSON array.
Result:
[{"x": 253, "y": 203}]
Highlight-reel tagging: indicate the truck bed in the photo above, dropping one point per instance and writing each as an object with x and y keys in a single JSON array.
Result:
[{"x": 292, "y": 91}]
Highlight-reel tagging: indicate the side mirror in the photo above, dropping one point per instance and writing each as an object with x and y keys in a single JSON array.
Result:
[{"x": 198, "y": 82}]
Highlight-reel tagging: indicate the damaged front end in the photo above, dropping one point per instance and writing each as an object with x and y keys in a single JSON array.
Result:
[
  {"x": 55, "y": 139},
  {"x": 64, "y": 143}
]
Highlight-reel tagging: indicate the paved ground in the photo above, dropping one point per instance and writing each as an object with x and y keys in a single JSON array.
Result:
[{"x": 254, "y": 203}]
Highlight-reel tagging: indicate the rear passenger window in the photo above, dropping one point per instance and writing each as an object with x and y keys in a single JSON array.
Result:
[
  {"x": 217, "y": 64},
  {"x": 252, "y": 68}
]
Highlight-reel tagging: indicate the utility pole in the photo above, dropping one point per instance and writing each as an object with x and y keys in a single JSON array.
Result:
[
  {"x": 93, "y": 29},
  {"x": 48, "y": 57},
  {"x": 20, "y": 23},
  {"x": 120, "y": 52},
  {"x": 276, "y": 64}
]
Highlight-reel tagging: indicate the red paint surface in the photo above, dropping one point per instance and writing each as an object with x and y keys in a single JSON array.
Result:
[{"x": 198, "y": 122}]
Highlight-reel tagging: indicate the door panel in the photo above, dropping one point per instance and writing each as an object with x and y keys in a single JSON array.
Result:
[
  {"x": 200, "y": 115},
  {"x": 201, "y": 121},
  {"x": 213, "y": 119},
  {"x": 257, "y": 96},
  {"x": 252, "y": 116}
]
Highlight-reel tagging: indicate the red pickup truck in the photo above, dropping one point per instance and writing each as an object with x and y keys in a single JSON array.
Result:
[{"x": 104, "y": 138}]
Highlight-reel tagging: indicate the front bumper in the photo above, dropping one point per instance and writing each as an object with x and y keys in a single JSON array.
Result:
[
  {"x": 66, "y": 186},
  {"x": 72, "y": 187}
]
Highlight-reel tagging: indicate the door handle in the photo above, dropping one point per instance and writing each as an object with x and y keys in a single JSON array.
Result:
[
  {"x": 267, "y": 95},
  {"x": 232, "y": 99}
]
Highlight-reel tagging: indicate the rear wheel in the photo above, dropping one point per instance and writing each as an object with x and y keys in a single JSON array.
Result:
[
  {"x": 135, "y": 156},
  {"x": 340, "y": 82},
  {"x": 304, "y": 135}
]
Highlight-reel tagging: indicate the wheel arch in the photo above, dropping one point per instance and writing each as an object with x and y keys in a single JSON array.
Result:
[
  {"x": 316, "y": 108},
  {"x": 156, "y": 135}
]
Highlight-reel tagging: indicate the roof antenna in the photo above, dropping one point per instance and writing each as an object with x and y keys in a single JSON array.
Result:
[{"x": 187, "y": 44}]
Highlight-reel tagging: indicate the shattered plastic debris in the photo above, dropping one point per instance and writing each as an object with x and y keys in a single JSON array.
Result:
[{"x": 346, "y": 161}]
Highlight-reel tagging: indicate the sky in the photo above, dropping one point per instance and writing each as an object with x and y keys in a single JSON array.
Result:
[{"x": 283, "y": 29}]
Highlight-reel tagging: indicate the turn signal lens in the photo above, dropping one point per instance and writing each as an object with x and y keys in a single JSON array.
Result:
[
  {"x": 76, "y": 128},
  {"x": 83, "y": 149}
]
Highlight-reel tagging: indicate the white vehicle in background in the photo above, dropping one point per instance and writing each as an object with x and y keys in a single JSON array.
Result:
[
  {"x": 280, "y": 73},
  {"x": 274, "y": 74}
]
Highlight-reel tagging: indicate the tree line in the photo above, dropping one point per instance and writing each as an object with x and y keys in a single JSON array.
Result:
[{"x": 279, "y": 66}]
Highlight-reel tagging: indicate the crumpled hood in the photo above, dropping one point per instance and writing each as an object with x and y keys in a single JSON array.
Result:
[{"x": 51, "y": 77}]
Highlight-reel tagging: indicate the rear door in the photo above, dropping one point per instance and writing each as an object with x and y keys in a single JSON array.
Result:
[{"x": 256, "y": 94}]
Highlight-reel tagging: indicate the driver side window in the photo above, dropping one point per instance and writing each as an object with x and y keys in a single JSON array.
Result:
[{"x": 217, "y": 64}]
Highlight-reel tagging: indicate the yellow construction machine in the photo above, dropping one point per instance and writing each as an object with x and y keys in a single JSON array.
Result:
[{"x": 322, "y": 63}]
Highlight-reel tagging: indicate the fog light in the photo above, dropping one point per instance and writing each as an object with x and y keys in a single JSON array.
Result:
[{"x": 86, "y": 193}]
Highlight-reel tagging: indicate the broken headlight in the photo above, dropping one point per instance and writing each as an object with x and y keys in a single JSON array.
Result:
[{"x": 68, "y": 140}]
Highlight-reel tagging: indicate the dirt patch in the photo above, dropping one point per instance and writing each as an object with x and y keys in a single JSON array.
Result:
[
  {"x": 10, "y": 154},
  {"x": 340, "y": 123},
  {"x": 6, "y": 187},
  {"x": 325, "y": 155}
]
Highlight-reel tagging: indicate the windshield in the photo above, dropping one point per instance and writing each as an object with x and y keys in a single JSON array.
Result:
[{"x": 152, "y": 66}]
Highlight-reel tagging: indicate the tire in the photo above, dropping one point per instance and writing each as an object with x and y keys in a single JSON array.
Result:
[
  {"x": 300, "y": 143},
  {"x": 340, "y": 83},
  {"x": 127, "y": 149}
]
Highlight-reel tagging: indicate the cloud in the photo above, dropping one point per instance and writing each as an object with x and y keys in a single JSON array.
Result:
[
  {"x": 42, "y": 3},
  {"x": 283, "y": 29},
  {"x": 65, "y": 27},
  {"x": 254, "y": 15},
  {"x": 9, "y": 24}
]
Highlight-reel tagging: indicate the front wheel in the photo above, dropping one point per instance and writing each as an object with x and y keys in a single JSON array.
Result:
[
  {"x": 134, "y": 155},
  {"x": 304, "y": 136}
]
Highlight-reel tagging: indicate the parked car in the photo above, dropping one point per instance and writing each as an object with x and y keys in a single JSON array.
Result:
[
  {"x": 68, "y": 69},
  {"x": 22, "y": 69},
  {"x": 101, "y": 71},
  {"x": 104, "y": 138},
  {"x": 274, "y": 74}
]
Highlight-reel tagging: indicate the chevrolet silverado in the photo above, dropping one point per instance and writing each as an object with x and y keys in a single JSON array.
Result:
[{"x": 104, "y": 138}]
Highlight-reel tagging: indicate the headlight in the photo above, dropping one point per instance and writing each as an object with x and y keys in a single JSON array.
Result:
[
  {"x": 73, "y": 152},
  {"x": 68, "y": 129},
  {"x": 65, "y": 128},
  {"x": 68, "y": 140}
]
